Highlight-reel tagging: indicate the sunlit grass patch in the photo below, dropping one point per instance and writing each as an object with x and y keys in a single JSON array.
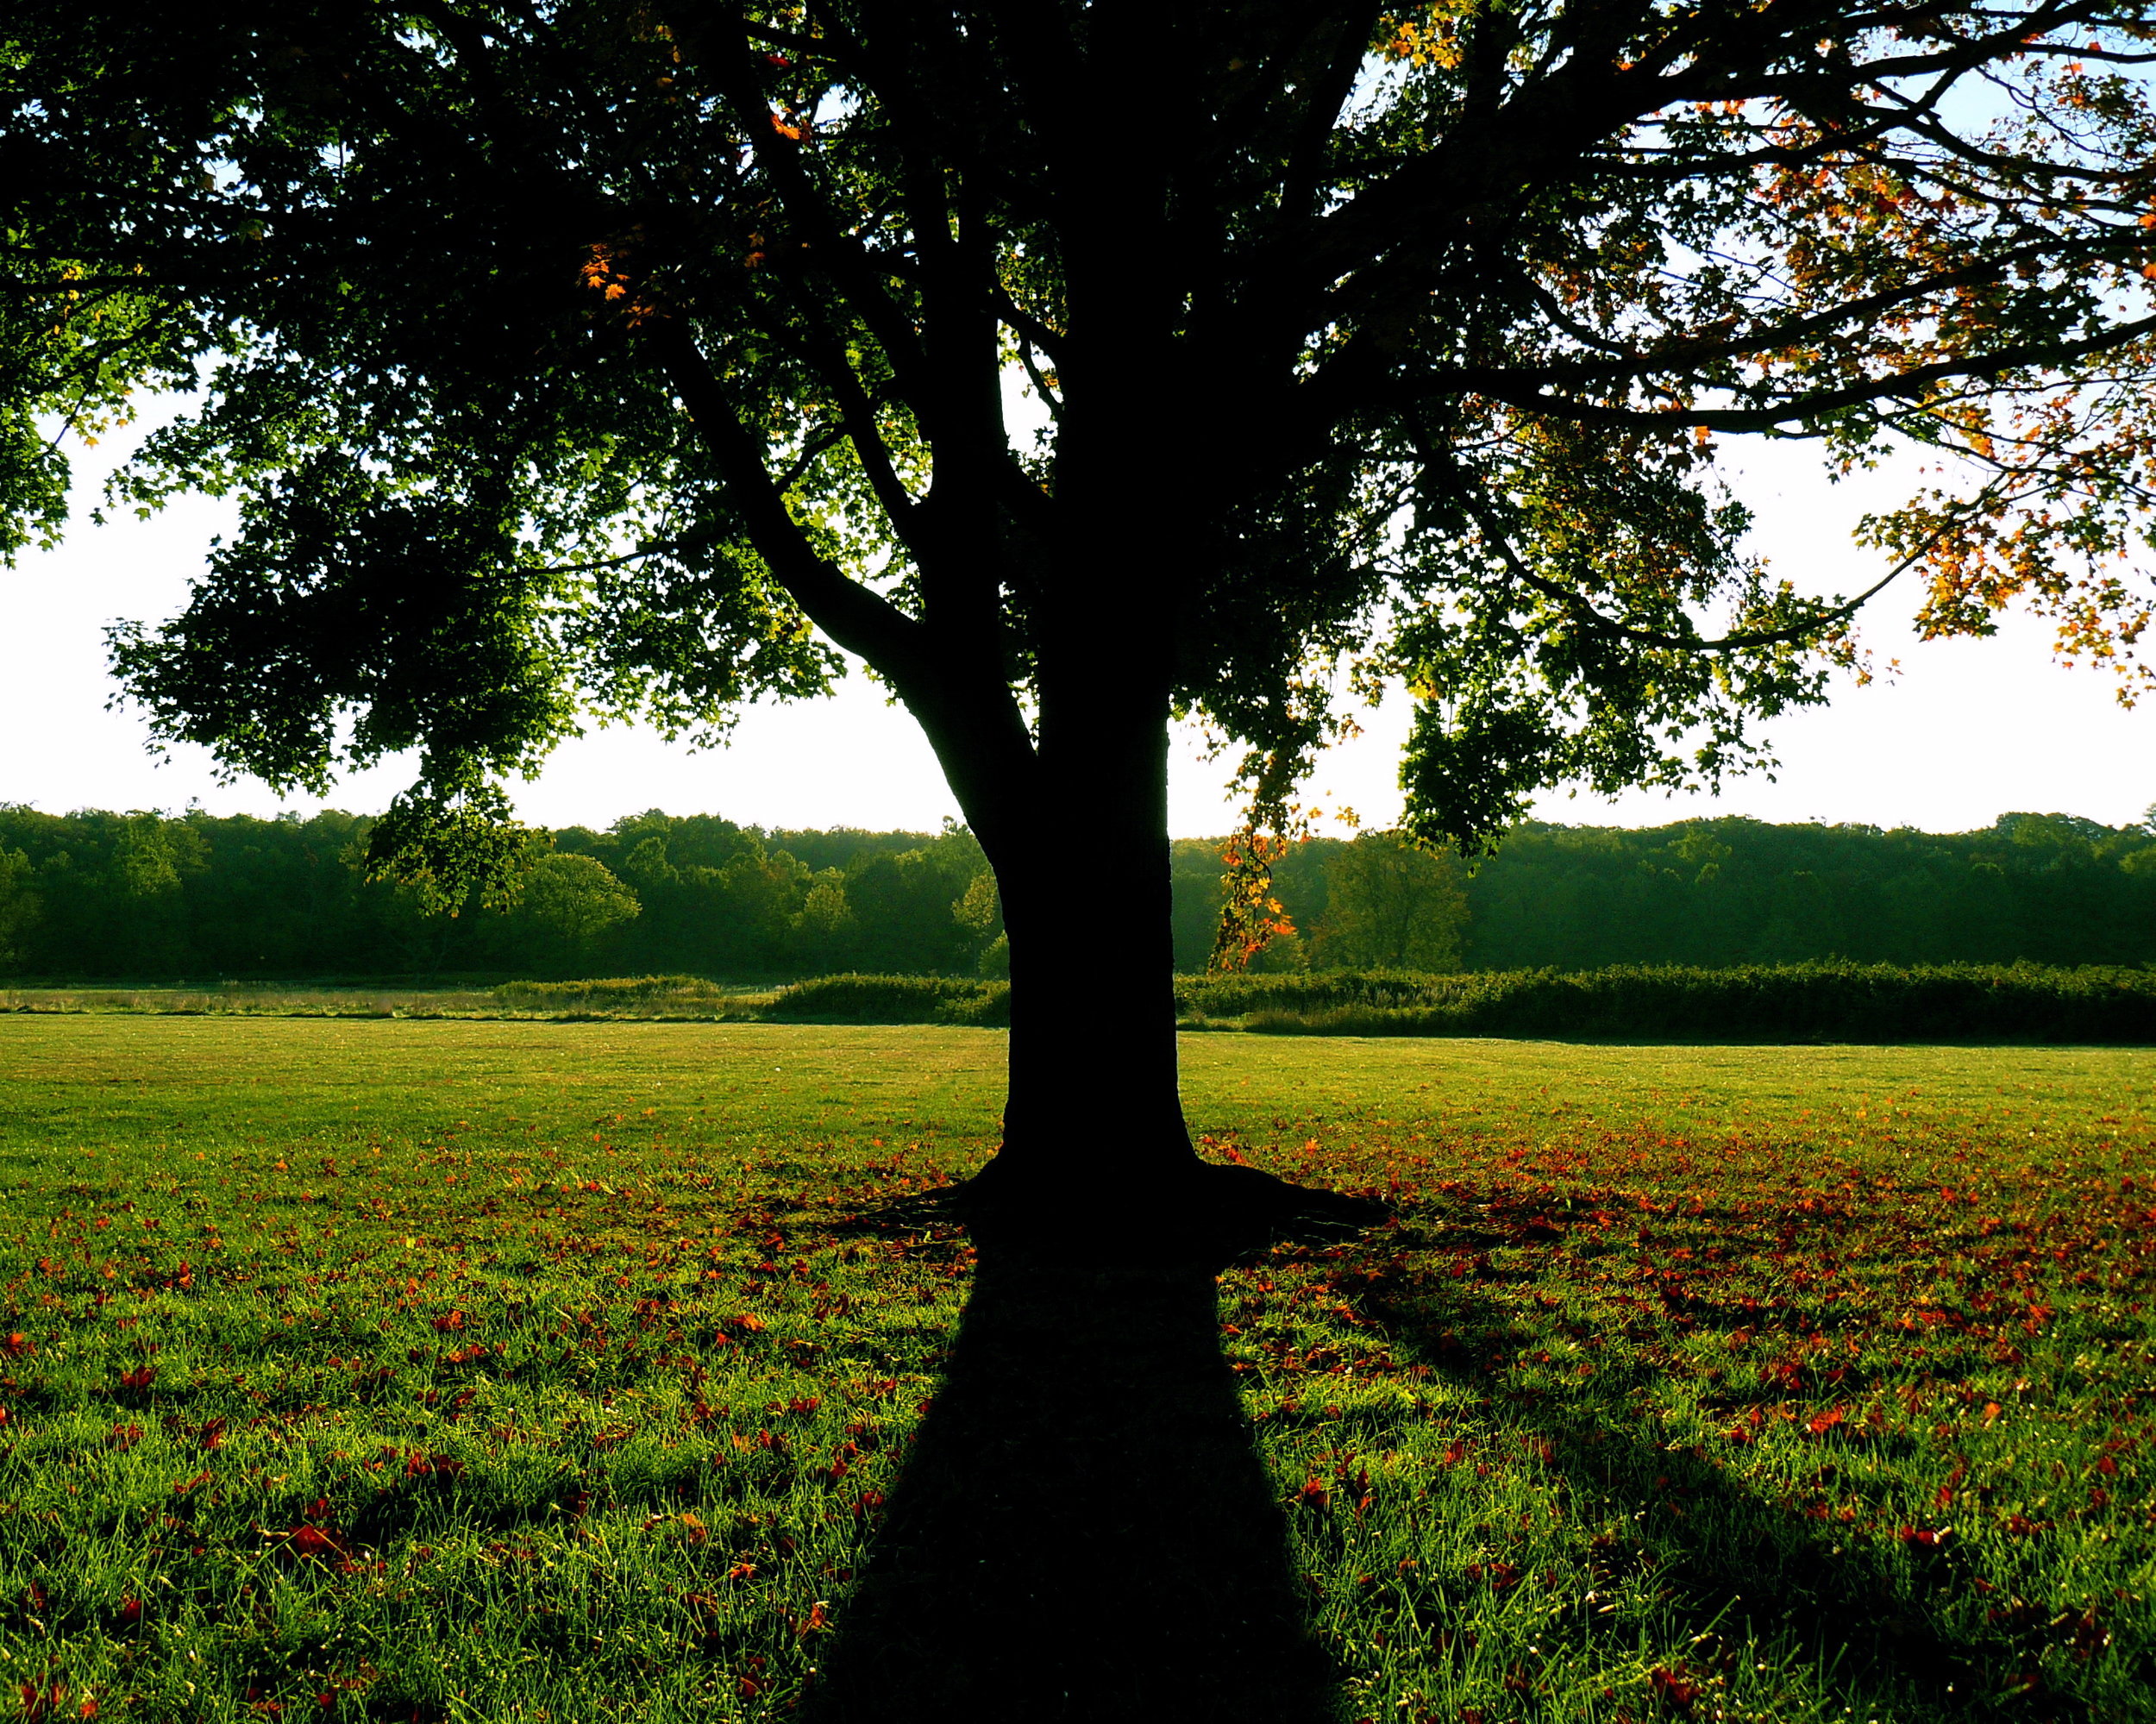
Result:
[
  {"x": 500, "y": 1370},
  {"x": 1754, "y": 1421}
]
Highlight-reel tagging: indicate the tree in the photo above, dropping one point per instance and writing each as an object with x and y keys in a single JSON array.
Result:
[
  {"x": 1390, "y": 904},
  {"x": 575, "y": 899},
  {"x": 18, "y": 906},
  {"x": 565, "y": 355}
]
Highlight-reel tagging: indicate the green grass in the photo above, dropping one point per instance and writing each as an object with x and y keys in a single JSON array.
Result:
[{"x": 501, "y": 1370}]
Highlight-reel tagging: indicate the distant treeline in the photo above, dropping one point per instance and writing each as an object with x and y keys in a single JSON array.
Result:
[
  {"x": 143, "y": 896},
  {"x": 2043, "y": 888}
]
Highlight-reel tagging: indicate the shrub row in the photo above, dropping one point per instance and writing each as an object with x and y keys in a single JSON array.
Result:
[
  {"x": 893, "y": 999},
  {"x": 1809, "y": 1002}
]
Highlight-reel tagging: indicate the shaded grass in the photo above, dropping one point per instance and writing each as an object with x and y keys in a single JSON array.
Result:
[{"x": 503, "y": 1369}]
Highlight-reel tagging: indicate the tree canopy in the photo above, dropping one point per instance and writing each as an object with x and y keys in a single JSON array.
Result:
[{"x": 576, "y": 355}]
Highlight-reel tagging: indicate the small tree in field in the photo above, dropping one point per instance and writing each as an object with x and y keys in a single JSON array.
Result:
[{"x": 567, "y": 355}]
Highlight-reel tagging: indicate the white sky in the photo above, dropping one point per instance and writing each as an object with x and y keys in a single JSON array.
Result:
[{"x": 1969, "y": 730}]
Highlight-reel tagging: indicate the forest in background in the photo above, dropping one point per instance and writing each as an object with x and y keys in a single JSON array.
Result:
[{"x": 143, "y": 896}]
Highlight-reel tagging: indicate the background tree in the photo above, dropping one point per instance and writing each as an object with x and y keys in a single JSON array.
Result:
[
  {"x": 575, "y": 899},
  {"x": 565, "y": 355},
  {"x": 1391, "y": 905},
  {"x": 19, "y": 906}
]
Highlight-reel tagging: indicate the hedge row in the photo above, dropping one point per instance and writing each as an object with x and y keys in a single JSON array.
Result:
[
  {"x": 893, "y": 999},
  {"x": 1838, "y": 1002},
  {"x": 1811, "y": 1002}
]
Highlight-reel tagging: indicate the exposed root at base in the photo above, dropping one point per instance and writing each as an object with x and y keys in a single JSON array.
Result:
[{"x": 1201, "y": 1211}]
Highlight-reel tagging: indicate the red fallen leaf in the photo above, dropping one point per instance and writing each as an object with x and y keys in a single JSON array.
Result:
[
  {"x": 814, "y": 1623},
  {"x": 39, "y": 1704},
  {"x": 1925, "y": 1538},
  {"x": 1672, "y": 1690},
  {"x": 140, "y": 1378},
  {"x": 18, "y": 1345},
  {"x": 1454, "y": 1453},
  {"x": 449, "y": 1321},
  {"x": 1312, "y": 1494},
  {"x": 1825, "y": 1421}
]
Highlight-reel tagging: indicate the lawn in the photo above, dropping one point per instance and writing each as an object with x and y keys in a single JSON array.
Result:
[{"x": 465, "y": 1370}]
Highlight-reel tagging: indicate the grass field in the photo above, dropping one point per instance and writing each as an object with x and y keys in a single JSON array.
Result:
[{"x": 468, "y": 1369}]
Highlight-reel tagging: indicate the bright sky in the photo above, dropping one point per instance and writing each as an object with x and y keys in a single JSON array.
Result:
[{"x": 1968, "y": 730}]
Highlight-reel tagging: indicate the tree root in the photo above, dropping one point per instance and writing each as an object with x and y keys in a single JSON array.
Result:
[{"x": 1194, "y": 1213}]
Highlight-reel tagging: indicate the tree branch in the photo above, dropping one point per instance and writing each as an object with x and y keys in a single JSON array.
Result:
[
  {"x": 1496, "y": 386},
  {"x": 859, "y": 620},
  {"x": 1577, "y": 604}
]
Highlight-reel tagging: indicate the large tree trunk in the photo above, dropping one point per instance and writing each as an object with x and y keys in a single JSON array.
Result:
[
  {"x": 1095, "y": 1155},
  {"x": 1093, "y": 1096}
]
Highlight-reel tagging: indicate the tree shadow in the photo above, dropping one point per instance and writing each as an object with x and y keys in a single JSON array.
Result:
[
  {"x": 1737, "y": 1564},
  {"x": 1083, "y": 1528}
]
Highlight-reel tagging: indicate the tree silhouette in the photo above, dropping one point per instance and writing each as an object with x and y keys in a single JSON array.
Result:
[{"x": 569, "y": 356}]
